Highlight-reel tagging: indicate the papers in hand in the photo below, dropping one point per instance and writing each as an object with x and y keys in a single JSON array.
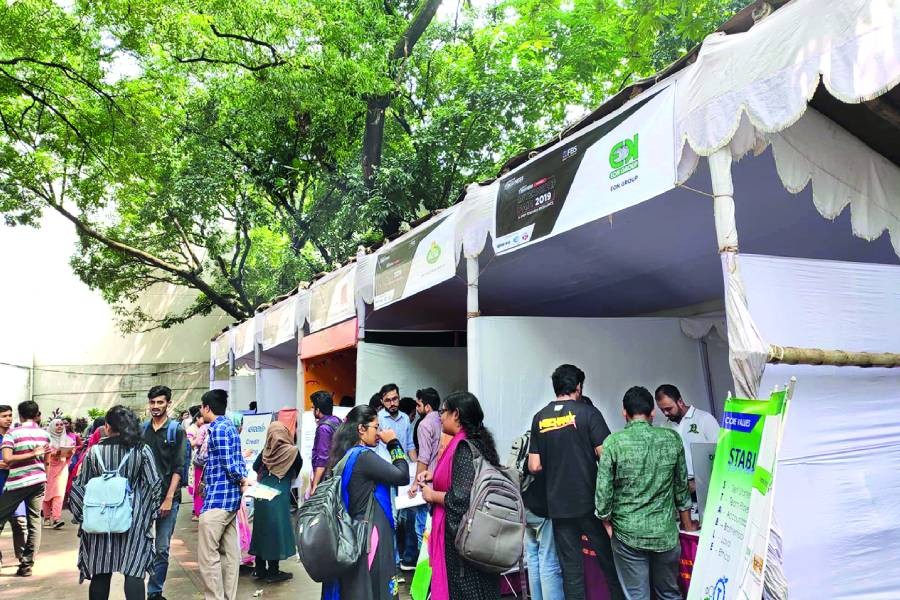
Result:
[
  {"x": 262, "y": 492},
  {"x": 403, "y": 500}
]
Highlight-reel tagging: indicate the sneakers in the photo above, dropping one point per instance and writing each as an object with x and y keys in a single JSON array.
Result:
[
  {"x": 279, "y": 577},
  {"x": 156, "y": 597},
  {"x": 23, "y": 571},
  {"x": 58, "y": 524},
  {"x": 407, "y": 567}
]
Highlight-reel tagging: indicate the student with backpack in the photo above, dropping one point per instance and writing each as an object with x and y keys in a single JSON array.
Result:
[
  {"x": 365, "y": 481},
  {"x": 167, "y": 441},
  {"x": 115, "y": 498},
  {"x": 454, "y": 477},
  {"x": 544, "y": 573}
]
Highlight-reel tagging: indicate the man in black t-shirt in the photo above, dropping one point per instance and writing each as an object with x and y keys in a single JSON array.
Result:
[{"x": 566, "y": 440}]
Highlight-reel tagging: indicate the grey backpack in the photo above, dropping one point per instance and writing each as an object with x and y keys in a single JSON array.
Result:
[
  {"x": 492, "y": 532},
  {"x": 329, "y": 540}
]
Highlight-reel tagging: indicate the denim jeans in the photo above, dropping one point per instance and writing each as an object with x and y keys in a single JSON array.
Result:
[
  {"x": 413, "y": 519},
  {"x": 544, "y": 574},
  {"x": 165, "y": 527},
  {"x": 640, "y": 569}
]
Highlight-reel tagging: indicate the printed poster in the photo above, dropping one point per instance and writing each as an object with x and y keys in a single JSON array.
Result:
[
  {"x": 417, "y": 261},
  {"x": 332, "y": 299},
  {"x": 620, "y": 161},
  {"x": 731, "y": 557},
  {"x": 253, "y": 438}
]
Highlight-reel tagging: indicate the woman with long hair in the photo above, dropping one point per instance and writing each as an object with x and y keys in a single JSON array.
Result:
[
  {"x": 273, "y": 536},
  {"x": 366, "y": 479},
  {"x": 453, "y": 577},
  {"x": 130, "y": 553},
  {"x": 62, "y": 445}
]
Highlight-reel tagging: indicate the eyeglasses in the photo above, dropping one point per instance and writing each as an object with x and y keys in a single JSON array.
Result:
[{"x": 391, "y": 400}]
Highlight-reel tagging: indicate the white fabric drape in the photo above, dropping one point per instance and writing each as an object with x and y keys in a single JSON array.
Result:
[
  {"x": 838, "y": 476},
  {"x": 747, "y": 349}
]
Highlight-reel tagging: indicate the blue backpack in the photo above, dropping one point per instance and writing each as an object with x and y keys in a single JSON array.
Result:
[
  {"x": 108, "y": 502},
  {"x": 172, "y": 440}
]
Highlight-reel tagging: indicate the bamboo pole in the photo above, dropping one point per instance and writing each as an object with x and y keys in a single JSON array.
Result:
[{"x": 791, "y": 355}]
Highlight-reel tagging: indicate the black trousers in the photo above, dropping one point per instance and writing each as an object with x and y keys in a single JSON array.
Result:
[
  {"x": 99, "y": 590},
  {"x": 567, "y": 535}
]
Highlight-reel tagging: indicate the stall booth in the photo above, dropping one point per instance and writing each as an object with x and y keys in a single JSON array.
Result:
[
  {"x": 279, "y": 330},
  {"x": 763, "y": 192}
]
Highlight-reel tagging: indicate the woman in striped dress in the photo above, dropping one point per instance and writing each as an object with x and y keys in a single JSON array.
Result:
[{"x": 130, "y": 553}]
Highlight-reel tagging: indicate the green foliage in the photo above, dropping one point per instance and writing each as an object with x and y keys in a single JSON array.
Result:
[
  {"x": 240, "y": 148},
  {"x": 96, "y": 413}
]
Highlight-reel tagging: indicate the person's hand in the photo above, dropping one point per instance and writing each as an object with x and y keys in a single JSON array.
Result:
[
  {"x": 692, "y": 485},
  {"x": 165, "y": 508},
  {"x": 424, "y": 477},
  {"x": 3, "y": 465},
  {"x": 244, "y": 485},
  {"x": 413, "y": 489},
  {"x": 429, "y": 494},
  {"x": 248, "y": 453},
  {"x": 608, "y": 526},
  {"x": 40, "y": 451},
  {"x": 387, "y": 435}
]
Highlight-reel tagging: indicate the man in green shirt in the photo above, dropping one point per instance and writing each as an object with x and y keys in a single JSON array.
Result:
[{"x": 641, "y": 482}]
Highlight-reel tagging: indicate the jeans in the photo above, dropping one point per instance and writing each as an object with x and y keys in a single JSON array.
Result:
[
  {"x": 165, "y": 527},
  {"x": 544, "y": 574},
  {"x": 567, "y": 534},
  {"x": 413, "y": 520},
  {"x": 640, "y": 569},
  {"x": 33, "y": 496}
]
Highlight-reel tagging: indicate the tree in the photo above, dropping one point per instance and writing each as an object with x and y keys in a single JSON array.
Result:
[{"x": 240, "y": 149}]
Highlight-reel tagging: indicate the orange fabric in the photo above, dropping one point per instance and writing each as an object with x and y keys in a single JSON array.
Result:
[
  {"x": 327, "y": 341},
  {"x": 288, "y": 416},
  {"x": 335, "y": 373}
]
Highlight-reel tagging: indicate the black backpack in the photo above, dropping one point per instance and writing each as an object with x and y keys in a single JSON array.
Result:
[{"x": 329, "y": 540}]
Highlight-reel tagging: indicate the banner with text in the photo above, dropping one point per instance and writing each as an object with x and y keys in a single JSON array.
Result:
[
  {"x": 731, "y": 558},
  {"x": 253, "y": 438},
  {"x": 421, "y": 259},
  {"x": 620, "y": 161},
  {"x": 332, "y": 299}
]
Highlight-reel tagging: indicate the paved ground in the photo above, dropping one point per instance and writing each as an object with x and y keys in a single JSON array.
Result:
[{"x": 55, "y": 575}]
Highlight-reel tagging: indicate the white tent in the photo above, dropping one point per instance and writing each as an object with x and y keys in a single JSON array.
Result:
[{"x": 620, "y": 223}]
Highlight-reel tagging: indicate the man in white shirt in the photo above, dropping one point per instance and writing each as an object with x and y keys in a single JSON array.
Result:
[{"x": 692, "y": 424}]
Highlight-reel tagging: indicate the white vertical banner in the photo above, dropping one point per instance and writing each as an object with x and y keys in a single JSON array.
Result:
[{"x": 253, "y": 438}]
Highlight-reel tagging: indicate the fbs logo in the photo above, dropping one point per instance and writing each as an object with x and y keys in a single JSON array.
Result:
[
  {"x": 623, "y": 157},
  {"x": 434, "y": 253}
]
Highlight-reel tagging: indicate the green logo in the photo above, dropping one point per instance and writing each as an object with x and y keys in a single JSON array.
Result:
[
  {"x": 623, "y": 157},
  {"x": 434, "y": 253}
]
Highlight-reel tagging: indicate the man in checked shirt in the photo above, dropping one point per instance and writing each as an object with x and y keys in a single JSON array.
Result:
[{"x": 225, "y": 478}]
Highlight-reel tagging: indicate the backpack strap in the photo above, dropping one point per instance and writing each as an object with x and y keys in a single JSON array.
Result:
[
  {"x": 146, "y": 425},
  {"x": 124, "y": 460},
  {"x": 95, "y": 452},
  {"x": 171, "y": 432}
]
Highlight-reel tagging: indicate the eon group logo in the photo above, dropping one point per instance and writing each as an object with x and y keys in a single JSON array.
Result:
[
  {"x": 434, "y": 253},
  {"x": 623, "y": 157}
]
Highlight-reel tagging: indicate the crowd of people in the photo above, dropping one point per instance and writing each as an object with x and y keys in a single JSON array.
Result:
[{"x": 627, "y": 492}]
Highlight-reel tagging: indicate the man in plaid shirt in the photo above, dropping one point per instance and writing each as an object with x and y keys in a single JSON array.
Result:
[{"x": 225, "y": 477}]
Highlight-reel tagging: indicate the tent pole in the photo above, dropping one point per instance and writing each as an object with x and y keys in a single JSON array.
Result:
[
  {"x": 472, "y": 287},
  {"x": 723, "y": 200},
  {"x": 790, "y": 355}
]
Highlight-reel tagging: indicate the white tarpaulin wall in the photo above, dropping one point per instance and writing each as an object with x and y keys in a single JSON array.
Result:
[
  {"x": 410, "y": 367},
  {"x": 838, "y": 476},
  {"x": 511, "y": 363},
  {"x": 276, "y": 389}
]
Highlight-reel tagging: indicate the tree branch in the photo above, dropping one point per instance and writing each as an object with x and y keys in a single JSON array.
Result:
[
  {"x": 221, "y": 300},
  {"x": 235, "y": 63}
]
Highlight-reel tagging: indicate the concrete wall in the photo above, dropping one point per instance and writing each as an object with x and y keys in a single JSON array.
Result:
[{"x": 81, "y": 359}]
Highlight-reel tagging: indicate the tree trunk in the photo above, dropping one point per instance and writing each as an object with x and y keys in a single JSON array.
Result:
[{"x": 373, "y": 137}]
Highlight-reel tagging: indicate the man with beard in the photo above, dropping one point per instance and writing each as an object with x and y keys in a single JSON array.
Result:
[
  {"x": 168, "y": 442},
  {"x": 692, "y": 424}
]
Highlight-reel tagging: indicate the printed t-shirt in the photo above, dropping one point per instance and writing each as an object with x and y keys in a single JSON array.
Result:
[{"x": 564, "y": 434}]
